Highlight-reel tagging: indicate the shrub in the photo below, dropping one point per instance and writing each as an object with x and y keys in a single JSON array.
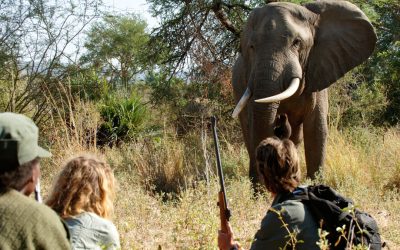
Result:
[
  {"x": 355, "y": 102},
  {"x": 123, "y": 118},
  {"x": 87, "y": 84},
  {"x": 166, "y": 90}
]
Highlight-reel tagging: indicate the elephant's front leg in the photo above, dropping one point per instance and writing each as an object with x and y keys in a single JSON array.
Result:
[{"x": 315, "y": 135}]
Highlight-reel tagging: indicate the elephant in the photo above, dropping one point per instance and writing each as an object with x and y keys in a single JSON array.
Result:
[{"x": 289, "y": 55}]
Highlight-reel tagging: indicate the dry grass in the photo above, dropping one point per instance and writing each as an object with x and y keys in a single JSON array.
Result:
[
  {"x": 188, "y": 222},
  {"x": 361, "y": 164}
]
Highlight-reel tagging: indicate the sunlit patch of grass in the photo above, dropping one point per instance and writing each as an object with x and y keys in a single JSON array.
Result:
[
  {"x": 190, "y": 221},
  {"x": 156, "y": 165},
  {"x": 345, "y": 164}
]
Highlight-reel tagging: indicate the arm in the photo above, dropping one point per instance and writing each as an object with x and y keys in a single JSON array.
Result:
[
  {"x": 279, "y": 228},
  {"x": 225, "y": 240},
  {"x": 271, "y": 234}
]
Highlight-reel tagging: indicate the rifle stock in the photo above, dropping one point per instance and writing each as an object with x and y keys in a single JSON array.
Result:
[{"x": 224, "y": 212}]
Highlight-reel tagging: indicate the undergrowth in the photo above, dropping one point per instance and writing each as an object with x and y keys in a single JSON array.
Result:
[{"x": 168, "y": 187}]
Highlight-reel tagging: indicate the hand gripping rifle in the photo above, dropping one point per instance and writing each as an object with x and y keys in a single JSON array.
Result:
[{"x": 224, "y": 212}]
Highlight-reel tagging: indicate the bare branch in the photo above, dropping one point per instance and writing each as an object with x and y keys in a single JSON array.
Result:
[{"x": 223, "y": 18}]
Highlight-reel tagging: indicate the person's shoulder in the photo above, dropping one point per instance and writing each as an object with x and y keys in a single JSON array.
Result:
[
  {"x": 102, "y": 226},
  {"x": 32, "y": 220},
  {"x": 289, "y": 204},
  {"x": 41, "y": 210},
  {"x": 32, "y": 207},
  {"x": 289, "y": 210},
  {"x": 36, "y": 211},
  {"x": 96, "y": 221},
  {"x": 13, "y": 195},
  {"x": 91, "y": 217}
]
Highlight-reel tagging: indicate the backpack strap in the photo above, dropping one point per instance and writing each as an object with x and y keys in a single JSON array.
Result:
[
  {"x": 324, "y": 202},
  {"x": 326, "y": 205}
]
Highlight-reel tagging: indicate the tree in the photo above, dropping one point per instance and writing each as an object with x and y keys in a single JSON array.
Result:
[
  {"x": 198, "y": 31},
  {"x": 36, "y": 41},
  {"x": 386, "y": 63},
  {"x": 201, "y": 35},
  {"x": 116, "y": 48}
]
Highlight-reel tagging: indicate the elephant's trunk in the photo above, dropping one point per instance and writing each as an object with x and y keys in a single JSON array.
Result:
[
  {"x": 262, "y": 127},
  {"x": 263, "y": 121}
]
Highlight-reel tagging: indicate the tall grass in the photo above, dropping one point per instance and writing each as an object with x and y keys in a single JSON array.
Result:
[{"x": 168, "y": 189}]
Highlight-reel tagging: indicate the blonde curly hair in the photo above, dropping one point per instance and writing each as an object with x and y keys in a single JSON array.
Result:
[
  {"x": 279, "y": 165},
  {"x": 85, "y": 184}
]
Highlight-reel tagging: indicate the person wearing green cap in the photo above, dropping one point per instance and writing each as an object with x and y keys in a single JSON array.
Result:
[{"x": 24, "y": 222}]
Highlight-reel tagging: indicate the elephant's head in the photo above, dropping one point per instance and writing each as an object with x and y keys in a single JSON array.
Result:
[{"x": 289, "y": 50}]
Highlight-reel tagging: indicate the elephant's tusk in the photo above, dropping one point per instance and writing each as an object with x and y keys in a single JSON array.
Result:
[
  {"x": 294, "y": 85},
  {"x": 242, "y": 103}
]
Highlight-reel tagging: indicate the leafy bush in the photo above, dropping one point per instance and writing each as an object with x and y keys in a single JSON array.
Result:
[
  {"x": 355, "y": 102},
  {"x": 165, "y": 90},
  {"x": 367, "y": 106},
  {"x": 123, "y": 118},
  {"x": 88, "y": 85},
  {"x": 387, "y": 72}
]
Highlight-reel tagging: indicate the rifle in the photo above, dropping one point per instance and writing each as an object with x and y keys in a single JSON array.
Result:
[{"x": 224, "y": 212}]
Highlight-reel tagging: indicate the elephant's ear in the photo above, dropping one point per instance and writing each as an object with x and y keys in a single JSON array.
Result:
[{"x": 344, "y": 38}]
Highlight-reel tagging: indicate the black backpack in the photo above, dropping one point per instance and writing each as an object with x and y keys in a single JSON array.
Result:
[{"x": 329, "y": 209}]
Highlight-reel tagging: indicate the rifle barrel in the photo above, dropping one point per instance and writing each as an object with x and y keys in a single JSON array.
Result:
[{"x": 219, "y": 166}]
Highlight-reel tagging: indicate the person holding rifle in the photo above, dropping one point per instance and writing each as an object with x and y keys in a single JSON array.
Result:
[
  {"x": 24, "y": 222},
  {"x": 288, "y": 224}
]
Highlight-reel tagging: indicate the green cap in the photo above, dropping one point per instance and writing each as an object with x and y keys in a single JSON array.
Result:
[{"x": 19, "y": 139}]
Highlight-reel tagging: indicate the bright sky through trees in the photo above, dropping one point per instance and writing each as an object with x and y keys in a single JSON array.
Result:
[{"x": 139, "y": 7}]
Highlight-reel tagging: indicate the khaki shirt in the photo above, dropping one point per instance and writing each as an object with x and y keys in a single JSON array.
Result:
[{"x": 27, "y": 224}]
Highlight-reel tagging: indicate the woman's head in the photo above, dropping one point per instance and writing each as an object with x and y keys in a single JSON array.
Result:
[
  {"x": 85, "y": 184},
  {"x": 278, "y": 163}
]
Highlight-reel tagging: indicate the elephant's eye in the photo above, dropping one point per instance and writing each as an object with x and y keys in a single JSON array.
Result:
[{"x": 297, "y": 42}]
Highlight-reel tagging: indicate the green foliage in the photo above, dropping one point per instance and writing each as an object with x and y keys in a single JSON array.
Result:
[
  {"x": 188, "y": 103},
  {"x": 191, "y": 30},
  {"x": 370, "y": 97},
  {"x": 355, "y": 102},
  {"x": 388, "y": 74},
  {"x": 88, "y": 85},
  {"x": 165, "y": 90},
  {"x": 123, "y": 118},
  {"x": 116, "y": 47},
  {"x": 383, "y": 67},
  {"x": 368, "y": 105}
]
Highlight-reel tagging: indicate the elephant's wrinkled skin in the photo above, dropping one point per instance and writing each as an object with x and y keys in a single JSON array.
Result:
[{"x": 316, "y": 43}]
